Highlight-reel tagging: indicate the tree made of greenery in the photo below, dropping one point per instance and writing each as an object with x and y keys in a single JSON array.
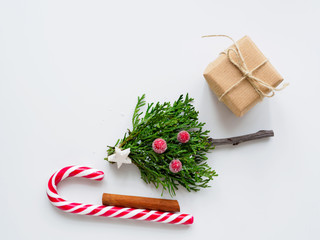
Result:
[{"x": 165, "y": 120}]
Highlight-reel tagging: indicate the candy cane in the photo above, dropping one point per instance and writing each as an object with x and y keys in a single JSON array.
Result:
[{"x": 101, "y": 210}]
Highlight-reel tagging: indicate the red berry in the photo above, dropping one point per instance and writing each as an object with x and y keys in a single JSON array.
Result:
[
  {"x": 175, "y": 166},
  {"x": 159, "y": 145},
  {"x": 183, "y": 137}
]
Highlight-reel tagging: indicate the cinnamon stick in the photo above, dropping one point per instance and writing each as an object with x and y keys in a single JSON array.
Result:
[{"x": 165, "y": 205}]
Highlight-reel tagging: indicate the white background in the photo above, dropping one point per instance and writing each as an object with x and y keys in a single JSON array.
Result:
[{"x": 70, "y": 74}]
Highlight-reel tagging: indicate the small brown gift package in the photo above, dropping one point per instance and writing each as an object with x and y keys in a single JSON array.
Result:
[{"x": 241, "y": 76}]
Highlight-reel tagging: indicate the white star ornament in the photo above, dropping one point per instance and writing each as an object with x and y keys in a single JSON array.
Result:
[{"x": 120, "y": 157}]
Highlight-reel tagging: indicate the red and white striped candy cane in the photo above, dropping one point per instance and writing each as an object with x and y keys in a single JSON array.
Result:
[{"x": 101, "y": 210}]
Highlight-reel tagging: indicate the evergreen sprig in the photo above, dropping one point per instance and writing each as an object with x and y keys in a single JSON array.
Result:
[{"x": 165, "y": 121}]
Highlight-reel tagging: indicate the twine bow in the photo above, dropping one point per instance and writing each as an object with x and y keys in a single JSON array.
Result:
[{"x": 240, "y": 64}]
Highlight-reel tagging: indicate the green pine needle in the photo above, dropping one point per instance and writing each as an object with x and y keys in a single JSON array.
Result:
[{"x": 165, "y": 121}]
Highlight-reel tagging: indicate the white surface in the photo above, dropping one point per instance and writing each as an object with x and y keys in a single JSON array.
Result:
[{"x": 66, "y": 67}]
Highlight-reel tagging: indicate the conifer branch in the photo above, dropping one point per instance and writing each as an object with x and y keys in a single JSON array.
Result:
[{"x": 165, "y": 121}]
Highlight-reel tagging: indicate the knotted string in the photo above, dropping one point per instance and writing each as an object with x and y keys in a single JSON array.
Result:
[{"x": 246, "y": 73}]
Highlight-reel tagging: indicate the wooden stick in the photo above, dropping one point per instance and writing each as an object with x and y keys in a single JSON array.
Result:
[
  {"x": 244, "y": 138},
  {"x": 165, "y": 205}
]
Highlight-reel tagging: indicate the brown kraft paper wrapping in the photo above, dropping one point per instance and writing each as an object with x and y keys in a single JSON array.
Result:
[{"x": 221, "y": 75}]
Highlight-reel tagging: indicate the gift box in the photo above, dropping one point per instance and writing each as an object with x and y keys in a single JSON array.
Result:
[{"x": 242, "y": 76}]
